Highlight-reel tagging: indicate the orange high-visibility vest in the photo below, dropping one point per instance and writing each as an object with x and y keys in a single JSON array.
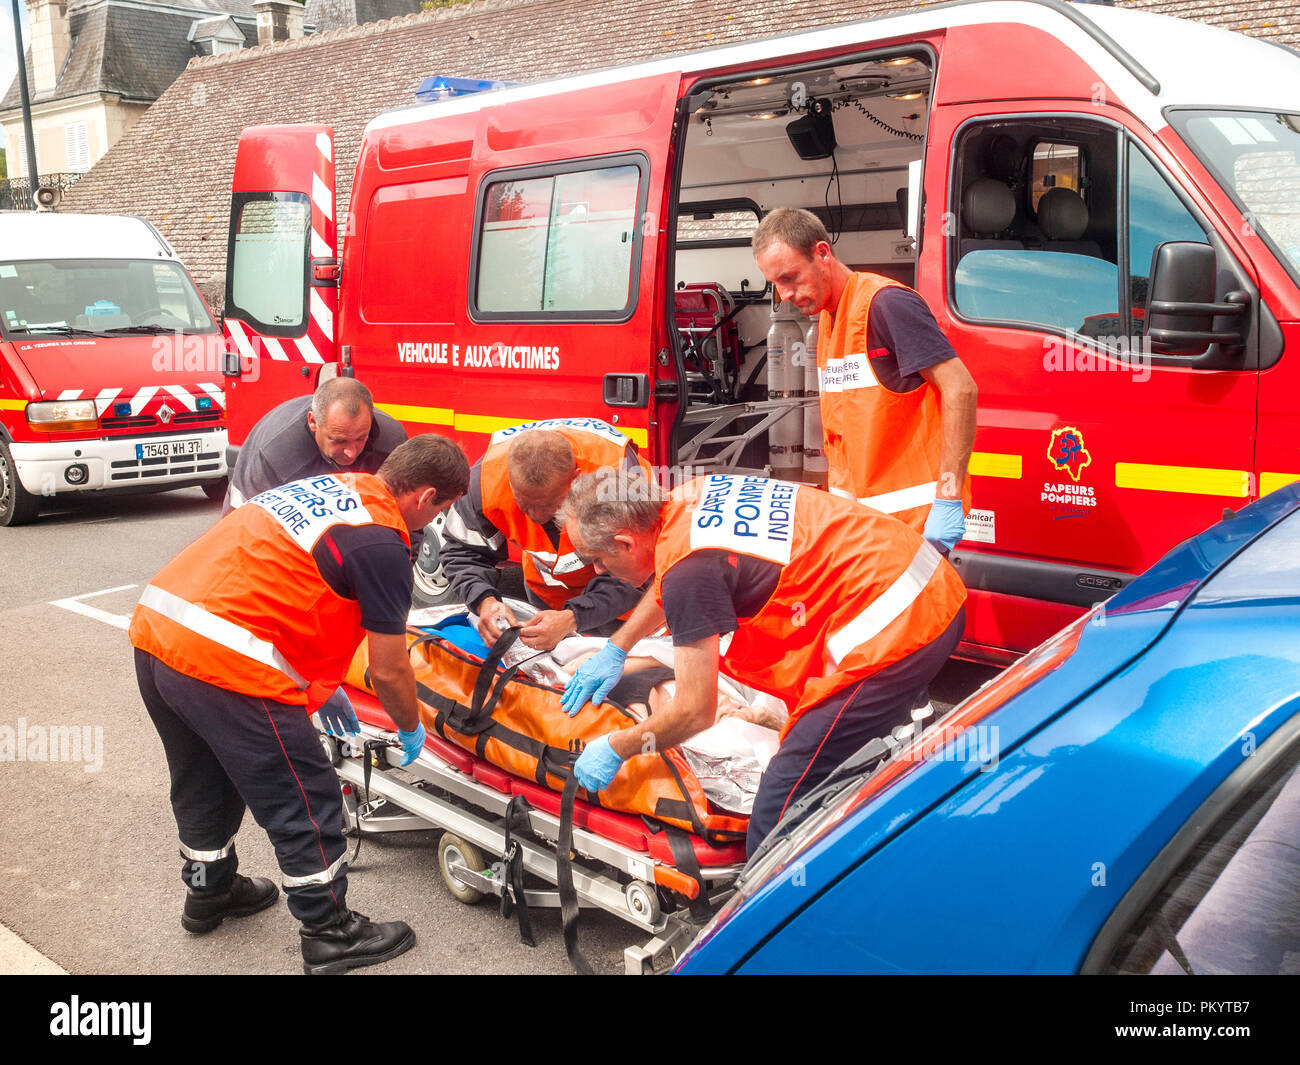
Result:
[
  {"x": 245, "y": 607},
  {"x": 883, "y": 448},
  {"x": 554, "y": 573},
  {"x": 858, "y": 590}
]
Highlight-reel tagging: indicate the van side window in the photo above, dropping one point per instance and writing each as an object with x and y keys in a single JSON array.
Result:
[
  {"x": 267, "y": 280},
  {"x": 564, "y": 244},
  {"x": 1155, "y": 215},
  {"x": 1036, "y": 231}
]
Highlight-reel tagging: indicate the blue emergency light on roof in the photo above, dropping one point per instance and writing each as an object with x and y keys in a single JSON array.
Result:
[{"x": 439, "y": 87}]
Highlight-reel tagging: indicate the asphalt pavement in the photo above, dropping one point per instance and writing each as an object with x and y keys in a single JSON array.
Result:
[{"x": 89, "y": 872}]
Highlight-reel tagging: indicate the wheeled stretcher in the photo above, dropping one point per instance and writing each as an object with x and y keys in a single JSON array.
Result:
[{"x": 532, "y": 846}]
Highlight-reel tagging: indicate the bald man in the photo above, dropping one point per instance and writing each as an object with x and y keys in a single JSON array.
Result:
[
  {"x": 335, "y": 430},
  {"x": 515, "y": 492}
]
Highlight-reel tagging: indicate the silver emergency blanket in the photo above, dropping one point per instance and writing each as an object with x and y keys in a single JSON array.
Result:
[{"x": 728, "y": 758}]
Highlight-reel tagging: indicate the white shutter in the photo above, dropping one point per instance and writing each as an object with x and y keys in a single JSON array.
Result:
[{"x": 78, "y": 146}]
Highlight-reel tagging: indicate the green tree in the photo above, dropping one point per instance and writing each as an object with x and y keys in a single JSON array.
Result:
[
  {"x": 4, "y": 166},
  {"x": 433, "y": 5}
]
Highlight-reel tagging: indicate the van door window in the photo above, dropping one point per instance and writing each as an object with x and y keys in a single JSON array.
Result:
[
  {"x": 267, "y": 280},
  {"x": 1036, "y": 239},
  {"x": 1155, "y": 215},
  {"x": 561, "y": 244}
]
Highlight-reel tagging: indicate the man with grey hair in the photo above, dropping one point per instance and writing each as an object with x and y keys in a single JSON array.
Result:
[
  {"x": 845, "y": 613},
  {"x": 333, "y": 430},
  {"x": 897, "y": 404},
  {"x": 515, "y": 492}
]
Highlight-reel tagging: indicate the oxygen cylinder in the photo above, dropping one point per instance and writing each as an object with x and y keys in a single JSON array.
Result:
[
  {"x": 784, "y": 367},
  {"x": 814, "y": 448}
]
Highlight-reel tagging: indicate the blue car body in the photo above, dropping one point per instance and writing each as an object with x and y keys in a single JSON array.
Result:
[{"x": 1030, "y": 840}]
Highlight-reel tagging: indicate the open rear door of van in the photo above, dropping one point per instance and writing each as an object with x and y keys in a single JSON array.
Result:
[{"x": 282, "y": 270}]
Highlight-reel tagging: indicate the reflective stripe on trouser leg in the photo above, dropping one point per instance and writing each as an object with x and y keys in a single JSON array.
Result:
[
  {"x": 208, "y": 856},
  {"x": 325, "y": 876}
]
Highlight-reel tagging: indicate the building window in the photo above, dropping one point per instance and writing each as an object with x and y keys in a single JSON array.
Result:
[{"x": 78, "y": 147}]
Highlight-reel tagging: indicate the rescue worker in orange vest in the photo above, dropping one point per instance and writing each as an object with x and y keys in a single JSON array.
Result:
[
  {"x": 845, "y": 613},
  {"x": 897, "y": 404},
  {"x": 515, "y": 492},
  {"x": 241, "y": 637}
]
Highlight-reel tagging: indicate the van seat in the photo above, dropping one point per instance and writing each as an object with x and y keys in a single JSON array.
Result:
[
  {"x": 1063, "y": 218},
  {"x": 987, "y": 208}
]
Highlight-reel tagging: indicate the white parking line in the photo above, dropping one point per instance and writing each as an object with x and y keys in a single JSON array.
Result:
[{"x": 118, "y": 621}]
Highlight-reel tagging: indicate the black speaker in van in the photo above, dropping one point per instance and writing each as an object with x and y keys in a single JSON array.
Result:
[{"x": 812, "y": 135}]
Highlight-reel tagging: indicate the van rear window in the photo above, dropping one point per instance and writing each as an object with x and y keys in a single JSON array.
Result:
[{"x": 559, "y": 245}]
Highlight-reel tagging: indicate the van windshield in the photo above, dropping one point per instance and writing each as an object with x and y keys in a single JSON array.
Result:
[
  {"x": 1256, "y": 157},
  {"x": 98, "y": 297}
]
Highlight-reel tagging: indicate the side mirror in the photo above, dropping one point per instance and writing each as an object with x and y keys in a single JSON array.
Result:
[{"x": 1181, "y": 308}]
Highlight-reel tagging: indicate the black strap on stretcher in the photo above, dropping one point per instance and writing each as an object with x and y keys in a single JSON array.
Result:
[
  {"x": 564, "y": 879},
  {"x": 517, "y": 818},
  {"x": 368, "y": 747},
  {"x": 684, "y": 858}
]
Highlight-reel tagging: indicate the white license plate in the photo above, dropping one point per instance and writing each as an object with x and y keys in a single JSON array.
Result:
[{"x": 167, "y": 448}]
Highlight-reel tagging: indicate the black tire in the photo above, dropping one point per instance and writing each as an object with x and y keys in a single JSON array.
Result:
[
  {"x": 216, "y": 490},
  {"x": 17, "y": 505}
]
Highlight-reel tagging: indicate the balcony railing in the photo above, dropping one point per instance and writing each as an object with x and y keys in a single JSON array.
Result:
[{"x": 16, "y": 193}]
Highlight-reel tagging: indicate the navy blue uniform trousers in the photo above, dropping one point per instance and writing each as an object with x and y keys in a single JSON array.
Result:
[
  {"x": 831, "y": 731},
  {"x": 228, "y": 751}
]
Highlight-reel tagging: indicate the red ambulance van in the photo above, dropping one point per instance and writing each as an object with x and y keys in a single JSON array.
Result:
[
  {"x": 1109, "y": 237},
  {"x": 110, "y": 364}
]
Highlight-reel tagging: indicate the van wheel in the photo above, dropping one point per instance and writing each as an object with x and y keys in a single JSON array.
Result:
[
  {"x": 216, "y": 490},
  {"x": 17, "y": 505}
]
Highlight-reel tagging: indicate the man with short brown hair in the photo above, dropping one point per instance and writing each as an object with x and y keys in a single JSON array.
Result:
[
  {"x": 241, "y": 637},
  {"x": 897, "y": 404}
]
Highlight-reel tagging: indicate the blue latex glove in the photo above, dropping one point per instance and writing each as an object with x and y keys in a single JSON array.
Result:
[
  {"x": 338, "y": 717},
  {"x": 412, "y": 744},
  {"x": 597, "y": 765},
  {"x": 946, "y": 524},
  {"x": 594, "y": 679}
]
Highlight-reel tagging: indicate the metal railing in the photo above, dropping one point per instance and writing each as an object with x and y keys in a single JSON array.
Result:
[{"x": 16, "y": 193}]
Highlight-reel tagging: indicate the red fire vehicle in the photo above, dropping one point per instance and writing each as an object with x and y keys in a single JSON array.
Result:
[
  {"x": 110, "y": 364},
  {"x": 1107, "y": 237}
]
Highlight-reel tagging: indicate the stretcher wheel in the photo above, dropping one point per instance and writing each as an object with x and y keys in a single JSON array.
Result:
[
  {"x": 642, "y": 900},
  {"x": 453, "y": 851}
]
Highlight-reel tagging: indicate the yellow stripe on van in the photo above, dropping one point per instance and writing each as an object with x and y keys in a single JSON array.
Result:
[
  {"x": 1271, "y": 482},
  {"x": 990, "y": 464},
  {"x": 422, "y": 415},
  {"x": 13, "y": 404},
  {"x": 1191, "y": 479}
]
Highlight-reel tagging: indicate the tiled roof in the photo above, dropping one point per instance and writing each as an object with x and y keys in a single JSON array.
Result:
[
  {"x": 174, "y": 166},
  {"x": 132, "y": 51},
  {"x": 338, "y": 14}
]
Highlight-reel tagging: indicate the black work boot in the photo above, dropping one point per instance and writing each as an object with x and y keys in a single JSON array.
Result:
[
  {"x": 204, "y": 910},
  {"x": 349, "y": 940}
]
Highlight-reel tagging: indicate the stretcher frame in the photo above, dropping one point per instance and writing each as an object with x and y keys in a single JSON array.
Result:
[{"x": 469, "y": 809}]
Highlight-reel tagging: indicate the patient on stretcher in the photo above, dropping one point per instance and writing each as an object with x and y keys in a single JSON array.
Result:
[{"x": 728, "y": 758}]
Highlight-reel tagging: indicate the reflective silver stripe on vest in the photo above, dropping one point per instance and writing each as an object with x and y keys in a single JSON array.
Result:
[
  {"x": 454, "y": 526},
  {"x": 323, "y": 877},
  {"x": 888, "y": 606},
  {"x": 918, "y": 495},
  {"x": 208, "y": 856},
  {"x": 218, "y": 630},
  {"x": 237, "y": 499},
  {"x": 548, "y": 564}
]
